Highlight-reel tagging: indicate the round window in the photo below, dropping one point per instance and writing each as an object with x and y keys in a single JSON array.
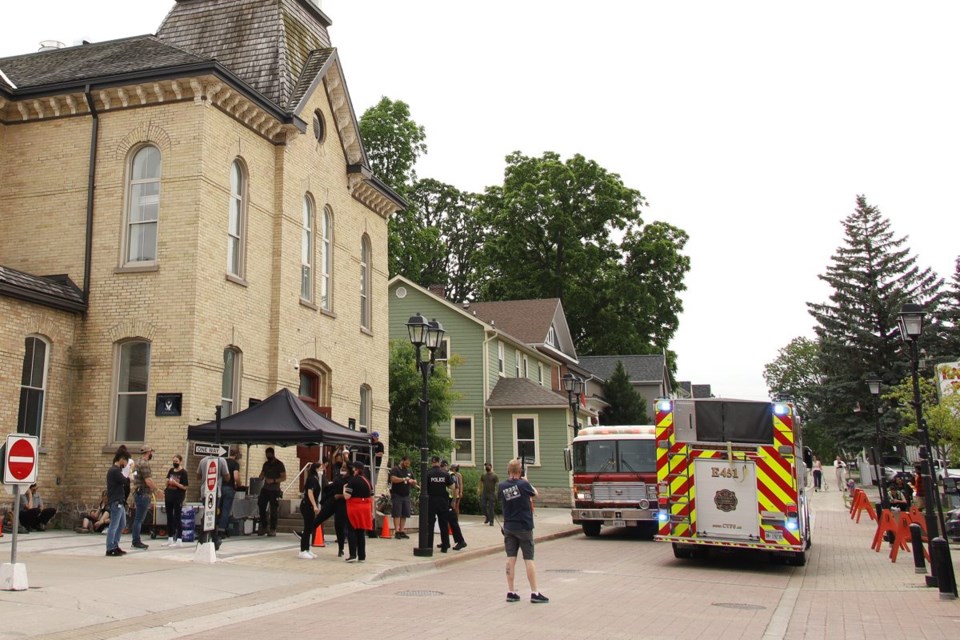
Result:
[
  {"x": 319, "y": 128},
  {"x": 401, "y": 292}
]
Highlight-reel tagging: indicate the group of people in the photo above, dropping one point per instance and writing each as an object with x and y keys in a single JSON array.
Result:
[
  {"x": 34, "y": 514},
  {"x": 347, "y": 497}
]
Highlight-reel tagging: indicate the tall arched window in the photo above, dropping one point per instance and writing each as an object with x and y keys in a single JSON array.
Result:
[
  {"x": 143, "y": 206},
  {"x": 326, "y": 260},
  {"x": 33, "y": 386},
  {"x": 230, "y": 384},
  {"x": 236, "y": 221},
  {"x": 366, "y": 407},
  {"x": 315, "y": 387},
  {"x": 133, "y": 373},
  {"x": 306, "y": 251},
  {"x": 365, "y": 282}
]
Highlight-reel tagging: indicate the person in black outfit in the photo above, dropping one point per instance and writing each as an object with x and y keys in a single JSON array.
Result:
[
  {"x": 310, "y": 508},
  {"x": 173, "y": 495},
  {"x": 116, "y": 488},
  {"x": 273, "y": 475},
  {"x": 358, "y": 494},
  {"x": 333, "y": 504},
  {"x": 228, "y": 492},
  {"x": 453, "y": 521},
  {"x": 438, "y": 500}
]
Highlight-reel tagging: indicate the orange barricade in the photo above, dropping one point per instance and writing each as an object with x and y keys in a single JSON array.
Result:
[
  {"x": 318, "y": 537},
  {"x": 860, "y": 504},
  {"x": 886, "y": 524},
  {"x": 385, "y": 529}
]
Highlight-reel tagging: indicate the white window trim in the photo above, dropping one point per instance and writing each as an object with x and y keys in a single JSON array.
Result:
[
  {"x": 526, "y": 366},
  {"x": 115, "y": 401},
  {"x": 308, "y": 217},
  {"x": 445, "y": 361},
  {"x": 326, "y": 257},
  {"x": 516, "y": 362},
  {"x": 501, "y": 360},
  {"x": 235, "y": 390},
  {"x": 125, "y": 262},
  {"x": 536, "y": 436},
  {"x": 540, "y": 373},
  {"x": 473, "y": 440},
  {"x": 366, "y": 283},
  {"x": 241, "y": 202},
  {"x": 365, "y": 418},
  {"x": 43, "y": 389}
]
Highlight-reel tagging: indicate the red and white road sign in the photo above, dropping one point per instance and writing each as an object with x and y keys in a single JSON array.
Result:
[
  {"x": 20, "y": 463},
  {"x": 212, "y": 475}
]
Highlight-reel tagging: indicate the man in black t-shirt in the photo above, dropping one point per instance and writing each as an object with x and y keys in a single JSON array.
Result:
[
  {"x": 273, "y": 474},
  {"x": 439, "y": 503},
  {"x": 229, "y": 491},
  {"x": 401, "y": 479}
]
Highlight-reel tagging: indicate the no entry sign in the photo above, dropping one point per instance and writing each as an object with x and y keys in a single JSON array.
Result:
[
  {"x": 212, "y": 475},
  {"x": 20, "y": 461}
]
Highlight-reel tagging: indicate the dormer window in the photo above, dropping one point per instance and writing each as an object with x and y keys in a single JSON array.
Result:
[{"x": 552, "y": 337}]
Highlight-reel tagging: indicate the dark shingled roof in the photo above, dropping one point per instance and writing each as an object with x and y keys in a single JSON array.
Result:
[
  {"x": 314, "y": 64},
  {"x": 87, "y": 61},
  {"x": 527, "y": 320},
  {"x": 57, "y": 291},
  {"x": 702, "y": 391},
  {"x": 521, "y": 392},
  {"x": 266, "y": 43},
  {"x": 639, "y": 368}
]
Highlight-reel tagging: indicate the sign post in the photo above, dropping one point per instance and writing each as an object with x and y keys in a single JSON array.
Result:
[
  {"x": 19, "y": 468},
  {"x": 210, "y": 466}
]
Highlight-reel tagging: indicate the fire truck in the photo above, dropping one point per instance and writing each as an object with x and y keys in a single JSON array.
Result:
[
  {"x": 730, "y": 473},
  {"x": 614, "y": 478}
]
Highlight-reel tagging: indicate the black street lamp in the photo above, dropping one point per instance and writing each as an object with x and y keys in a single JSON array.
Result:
[
  {"x": 941, "y": 564},
  {"x": 874, "y": 384},
  {"x": 574, "y": 386},
  {"x": 430, "y": 335}
]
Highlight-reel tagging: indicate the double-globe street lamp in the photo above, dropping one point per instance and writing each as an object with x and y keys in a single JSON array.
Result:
[
  {"x": 873, "y": 383},
  {"x": 941, "y": 564},
  {"x": 430, "y": 335},
  {"x": 574, "y": 386}
]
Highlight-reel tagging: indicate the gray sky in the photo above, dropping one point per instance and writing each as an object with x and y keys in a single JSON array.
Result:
[{"x": 751, "y": 125}]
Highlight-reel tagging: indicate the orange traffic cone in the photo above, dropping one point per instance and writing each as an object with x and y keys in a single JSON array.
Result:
[
  {"x": 318, "y": 537},
  {"x": 385, "y": 529}
]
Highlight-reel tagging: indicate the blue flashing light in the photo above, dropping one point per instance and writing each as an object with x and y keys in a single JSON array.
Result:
[
  {"x": 781, "y": 409},
  {"x": 662, "y": 516},
  {"x": 792, "y": 524},
  {"x": 664, "y": 405}
]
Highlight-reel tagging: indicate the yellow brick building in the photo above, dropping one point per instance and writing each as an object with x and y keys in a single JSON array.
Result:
[{"x": 189, "y": 213}]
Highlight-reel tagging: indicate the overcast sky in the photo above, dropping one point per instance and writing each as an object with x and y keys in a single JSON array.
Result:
[{"x": 751, "y": 125}]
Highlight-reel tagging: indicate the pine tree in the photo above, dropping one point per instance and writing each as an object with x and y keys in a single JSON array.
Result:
[
  {"x": 872, "y": 276},
  {"x": 626, "y": 404},
  {"x": 950, "y": 315}
]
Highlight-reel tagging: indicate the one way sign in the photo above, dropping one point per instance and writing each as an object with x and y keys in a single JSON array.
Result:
[{"x": 206, "y": 449}]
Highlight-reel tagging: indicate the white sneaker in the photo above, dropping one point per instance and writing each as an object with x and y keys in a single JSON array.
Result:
[
  {"x": 168, "y": 543},
  {"x": 306, "y": 555},
  {"x": 178, "y": 543}
]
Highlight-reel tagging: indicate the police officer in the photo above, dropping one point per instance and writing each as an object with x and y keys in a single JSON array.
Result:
[{"x": 439, "y": 503}]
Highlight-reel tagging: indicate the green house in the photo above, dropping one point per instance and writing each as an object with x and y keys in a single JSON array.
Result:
[{"x": 511, "y": 357}]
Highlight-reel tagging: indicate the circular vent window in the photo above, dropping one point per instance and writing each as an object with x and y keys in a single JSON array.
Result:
[
  {"x": 319, "y": 127},
  {"x": 401, "y": 292}
]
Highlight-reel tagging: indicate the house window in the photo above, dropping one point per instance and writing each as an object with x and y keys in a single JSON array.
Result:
[
  {"x": 526, "y": 438},
  {"x": 33, "y": 386},
  {"x": 365, "y": 282},
  {"x": 462, "y": 435},
  {"x": 552, "y": 337},
  {"x": 315, "y": 387},
  {"x": 143, "y": 206},
  {"x": 319, "y": 127},
  {"x": 230, "y": 385},
  {"x": 326, "y": 260},
  {"x": 442, "y": 355},
  {"x": 133, "y": 369},
  {"x": 500, "y": 363},
  {"x": 540, "y": 373},
  {"x": 306, "y": 252},
  {"x": 526, "y": 367},
  {"x": 516, "y": 363},
  {"x": 366, "y": 408},
  {"x": 236, "y": 220}
]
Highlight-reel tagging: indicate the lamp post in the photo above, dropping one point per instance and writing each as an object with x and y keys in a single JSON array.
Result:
[
  {"x": 873, "y": 383},
  {"x": 574, "y": 386},
  {"x": 430, "y": 335},
  {"x": 941, "y": 565}
]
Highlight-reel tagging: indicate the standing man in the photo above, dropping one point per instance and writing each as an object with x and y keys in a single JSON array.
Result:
[
  {"x": 401, "y": 479},
  {"x": 453, "y": 520},
  {"x": 146, "y": 489},
  {"x": 117, "y": 501},
  {"x": 487, "y": 490},
  {"x": 377, "y": 450},
  {"x": 516, "y": 494},
  {"x": 273, "y": 474},
  {"x": 229, "y": 491},
  {"x": 439, "y": 503}
]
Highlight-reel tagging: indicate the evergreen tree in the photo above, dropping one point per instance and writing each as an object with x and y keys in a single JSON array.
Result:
[
  {"x": 950, "y": 316},
  {"x": 626, "y": 405},
  {"x": 872, "y": 276}
]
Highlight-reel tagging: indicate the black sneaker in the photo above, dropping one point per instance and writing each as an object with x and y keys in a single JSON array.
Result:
[
  {"x": 112, "y": 552},
  {"x": 140, "y": 545},
  {"x": 351, "y": 559},
  {"x": 459, "y": 545},
  {"x": 120, "y": 552},
  {"x": 513, "y": 597},
  {"x": 536, "y": 598}
]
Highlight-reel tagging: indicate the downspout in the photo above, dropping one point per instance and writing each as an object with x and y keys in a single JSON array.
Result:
[
  {"x": 486, "y": 410},
  {"x": 91, "y": 174}
]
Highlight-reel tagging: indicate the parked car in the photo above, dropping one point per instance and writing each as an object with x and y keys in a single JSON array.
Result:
[{"x": 953, "y": 525}]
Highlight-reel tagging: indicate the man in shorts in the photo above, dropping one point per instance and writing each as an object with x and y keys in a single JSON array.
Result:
[
  {"x": 516, "y": 494},
  {"x": 401, "y": 479}
]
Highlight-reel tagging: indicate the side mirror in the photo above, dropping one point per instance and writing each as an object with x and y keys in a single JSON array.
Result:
[{"x": 567, "y": 459}]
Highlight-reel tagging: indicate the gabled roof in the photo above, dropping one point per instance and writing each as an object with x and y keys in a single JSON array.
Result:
[
  {"x": 529, "y": 321},
  {"x": 640, "y": 369},
  {"x": 89, "y": 61},
  {"x": 523, "y": 393},
  {"x": 702, "y": 391},
  {"x": 58, "y": 292}
]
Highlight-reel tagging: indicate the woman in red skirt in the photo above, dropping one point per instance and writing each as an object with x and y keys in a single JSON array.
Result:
[{"x": 358, "y": 494}]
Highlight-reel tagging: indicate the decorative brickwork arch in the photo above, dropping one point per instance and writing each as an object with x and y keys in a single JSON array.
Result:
[
  {"x": 146, "y": 132},
  {"x": 128, "y": 329}
]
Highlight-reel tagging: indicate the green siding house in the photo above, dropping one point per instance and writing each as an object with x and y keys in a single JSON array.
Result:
[{"x": 511, "y": 356}]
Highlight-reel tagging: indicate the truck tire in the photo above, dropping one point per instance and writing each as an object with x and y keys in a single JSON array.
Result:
[
  {"x": 591, "y": 529},
  {"x": 648, "y": 530},
  {"x": 681, "y": 552},
  {"x": 797, "y": 559}
]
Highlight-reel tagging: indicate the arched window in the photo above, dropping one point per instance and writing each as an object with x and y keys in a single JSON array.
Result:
[
  {"x": 133, "y": 373},
  {"x": 365, "y": 282},
  {"x": 366, "y": 408},
  {"x": 315, "y": 387},
  {"x": 326, "y": 260},
  {"x": 306, "y": 251},
  {"x": 33, "y": 386},
  {"x": 143, "y": 206},
  {"x": 237, "y": 220},
  {"x": 230, "y": 384}
]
